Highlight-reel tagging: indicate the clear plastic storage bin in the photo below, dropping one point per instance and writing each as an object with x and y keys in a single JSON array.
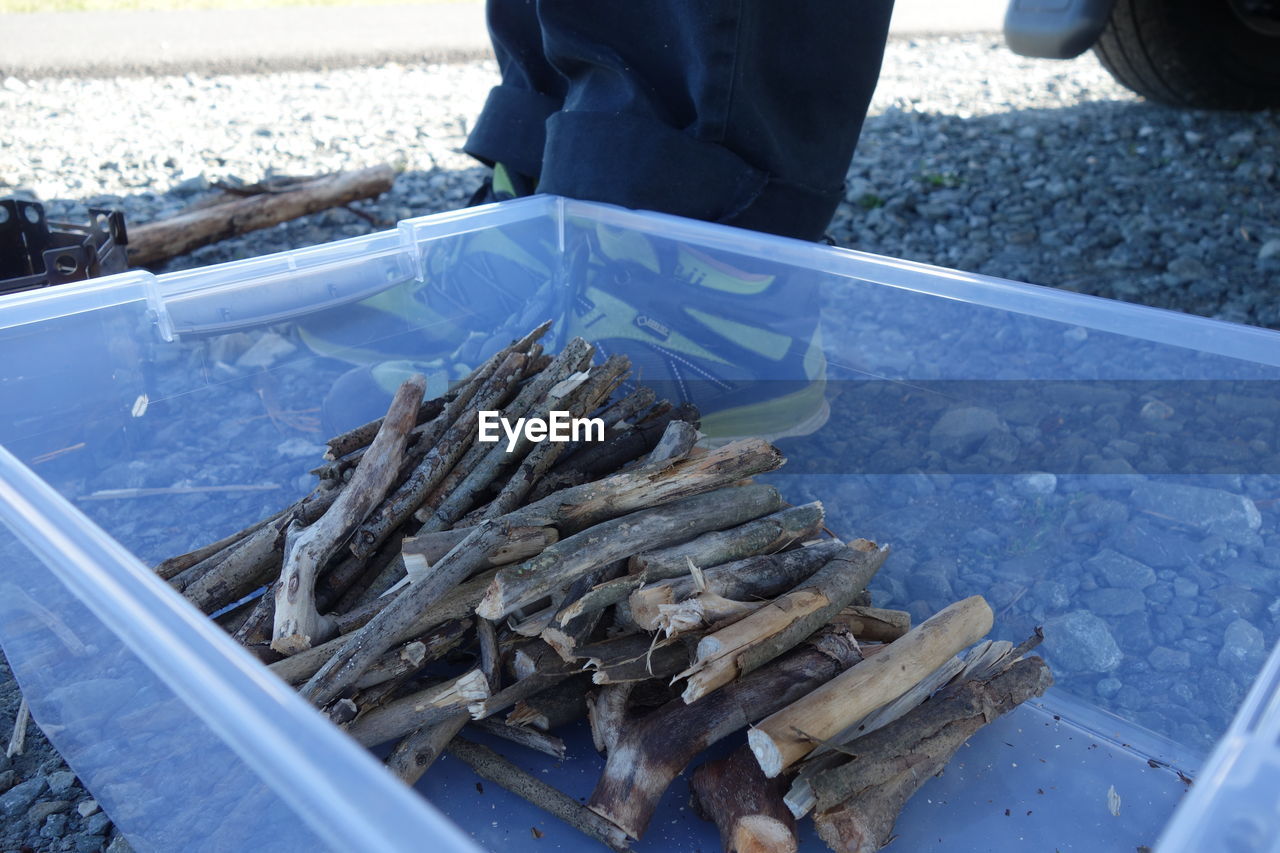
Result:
[{"x": 1107, "y": 471}]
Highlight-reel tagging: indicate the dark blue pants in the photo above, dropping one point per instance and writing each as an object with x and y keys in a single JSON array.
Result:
[{"x": 744, "y": 112}]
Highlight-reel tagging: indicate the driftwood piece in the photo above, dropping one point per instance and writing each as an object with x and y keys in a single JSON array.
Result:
[
  {"x": 789, "y": 735},
  {"x": 174, "y": 566},
  {"x": 607, "y": 713},
  {"x": 654, "y": 749},
  {"x": 362, "y": 436},
  {"x": 745, "y": 805},
  {"x": 524, "y": 542},
  {"x": 784, "y": 622},
  {"x": 634, "y": 657},
  {"x": 385, "y": 629},
  {"x": 564, "y": 632},
  {"x": 420, "y": 748},
  {"x": 18, "y": 738},
  {"x": 618, "y": 413},
  {"x": 297, "y": 622},
  {"x": 153, "y": 242},
  {"x": 538, "y": 668},
  {"x": 753, "y": 578},
  {"x": 577, "y": 508},
  {"x": 483, "y": 462},
  {"x": 619, "y": 449},
  {"x": 439, "y": 460},
  {"x": 762, "y": 536},
  {"x": 490, "y": 658},
  {"x": 979, "y": 662},
  {"x": 530, "y": 738},
  {"x": 492, "y": 767},
  {"x": 859, "y": 802},
  {"x": 800, "y": 798},
  {"x": 874, "y": 624},
  {"x": 581, "y": 401},
  {"x": 254, "y": 559},
  {"x": 426, "y": 707},
  {"x": 568, "y": 559},
  {"x": 552, "y": 708}
]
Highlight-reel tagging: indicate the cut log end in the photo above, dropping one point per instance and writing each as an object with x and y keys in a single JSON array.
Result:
[
  {"x": 759, "y": 833},
  {"x": 846, "y": 830},
  {"x": 767, "y": 754}
]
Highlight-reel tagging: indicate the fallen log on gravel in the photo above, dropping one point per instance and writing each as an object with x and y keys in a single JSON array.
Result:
[{"x": 153, "y": 242}]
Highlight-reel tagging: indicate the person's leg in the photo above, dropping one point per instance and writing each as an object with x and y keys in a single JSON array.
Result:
[
  {"x": 743, "y": 112},
  {"x": 511, "y": 129}
]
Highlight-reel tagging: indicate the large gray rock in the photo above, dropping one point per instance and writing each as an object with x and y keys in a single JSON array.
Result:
[
  {"x": 1234, "y": 517},
  {"x": 1121, "y": 571},
  {"x": 19, "y": 798},
  {"x": 962, "y": 429},
  {"x": 1081, "y": 642},
  {"x": 1243, "y": 649},
  {"x": 1115, "y": 602}
]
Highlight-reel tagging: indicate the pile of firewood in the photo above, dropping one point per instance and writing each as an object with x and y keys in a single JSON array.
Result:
[{"x": 642, "y": 581}]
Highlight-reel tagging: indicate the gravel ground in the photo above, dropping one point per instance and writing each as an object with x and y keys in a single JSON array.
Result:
[{"x": 972, "y": 158}]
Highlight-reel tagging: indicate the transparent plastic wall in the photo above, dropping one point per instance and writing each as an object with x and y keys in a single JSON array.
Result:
[{"x": 1105, "y": 471}]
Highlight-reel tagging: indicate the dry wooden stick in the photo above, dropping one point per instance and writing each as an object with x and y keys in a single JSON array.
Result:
[
  {"x": 18, "y": 739},
  {"x": 654, "y": 749},
  {"x": 753, "y": 578},
  {"x": 627, "y": 408},
  {"x": 253, "y": 560},
  {"x": 538, "y": 668},
  {"x": 405, "y": 659},
  {"x": 577, "y": 508},
  {"x": 634, "y": 657},
  {"x": 789, "y": 735},
  {"x": 153, "y": 242},
  {"x": 552, "y": 708},
  {"x": 785, "y": 622},
  {"x": 420, "y": 748},
  {"x": 362, "y": 436},
  {"x": 746, "y": 806},
  {"x": 859, "y": 802},
  {"x": 525, "y": 542},
  {"x": 488, "y": 765},
  {"x": 440, "y": 459},
  {"x": 297, "y": 622},
  {"x": 581, "y": 402},
  {"x": 762, "y": 536},
  {"x": 174, "y": 566},
  {"x": 385, "y": 629},
  {"x": 425, "y": 707},
  {"x": 490, "y": 656},
  {"x": 588, "y": 597},
  {"x": 800, "y": 798},
  {"x": 455, "y": 604},
  {"x": 483, "y": 462},
  {"x": 563, "y": 562},
  {"x": 535, "y": 739},
  {"x": 874, "y": 624},
  {"x": 565, "y": 632},
  {"x": 607, "y": 713},
  {"x": 593, "y": 461}
]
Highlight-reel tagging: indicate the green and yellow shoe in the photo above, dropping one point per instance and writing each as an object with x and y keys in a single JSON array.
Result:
[{"x": 738, "y": 338}]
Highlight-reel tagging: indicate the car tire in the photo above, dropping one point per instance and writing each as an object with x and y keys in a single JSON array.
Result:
[{"x": 1208, "y": 54}]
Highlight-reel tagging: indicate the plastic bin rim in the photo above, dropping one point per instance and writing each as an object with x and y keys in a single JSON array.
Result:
[
  {"x": 274, "y": 728},
  {"x": 1158, "y": 325}
]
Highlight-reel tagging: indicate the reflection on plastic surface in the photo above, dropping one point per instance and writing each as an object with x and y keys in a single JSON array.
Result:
[{"x": 1106, "y": 471}]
